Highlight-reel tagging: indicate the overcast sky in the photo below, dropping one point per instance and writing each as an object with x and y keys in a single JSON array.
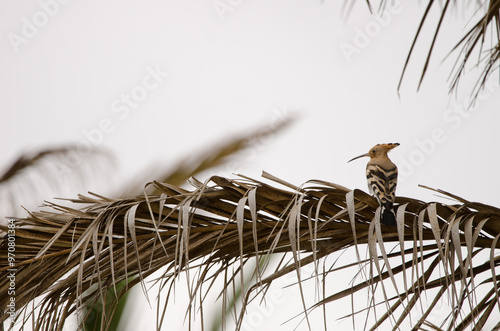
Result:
[{"x": 156, "y": 80}]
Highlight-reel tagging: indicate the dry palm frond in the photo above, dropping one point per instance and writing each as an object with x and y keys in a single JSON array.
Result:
[
  {"x": 483, "y": 37},
  {"x": 476, "y": 39},
  {"x": 34, "y": 176},
  {"x": 212, "y": 156},
  {"x": 73, "y": 256}
]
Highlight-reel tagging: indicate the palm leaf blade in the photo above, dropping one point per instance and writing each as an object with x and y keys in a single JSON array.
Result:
[{"x": 224, "y": 222}]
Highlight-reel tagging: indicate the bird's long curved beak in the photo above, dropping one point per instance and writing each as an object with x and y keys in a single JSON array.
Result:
[{"x": 357, "y": 157}]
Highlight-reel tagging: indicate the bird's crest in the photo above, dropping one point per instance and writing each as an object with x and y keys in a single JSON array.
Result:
[
  {"x": 378, "y": 150},
  {"x": 388, "y": 146}
]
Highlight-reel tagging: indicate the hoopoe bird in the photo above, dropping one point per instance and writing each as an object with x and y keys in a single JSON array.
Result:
[{"x": 382, "y": 177}]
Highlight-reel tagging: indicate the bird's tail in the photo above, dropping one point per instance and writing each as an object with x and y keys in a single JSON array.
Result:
[{"x": 388, "y": 216}]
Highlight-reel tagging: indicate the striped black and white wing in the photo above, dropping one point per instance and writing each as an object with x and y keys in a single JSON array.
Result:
[
  {"x": 382, "y": 183},
  {"x": 392, "y": 181}
]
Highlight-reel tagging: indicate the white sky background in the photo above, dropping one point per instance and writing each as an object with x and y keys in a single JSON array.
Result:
[{"x": 247, "y": 67}]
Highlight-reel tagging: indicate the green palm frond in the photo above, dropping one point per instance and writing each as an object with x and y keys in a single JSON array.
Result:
[{"x": 441, "y": 252}]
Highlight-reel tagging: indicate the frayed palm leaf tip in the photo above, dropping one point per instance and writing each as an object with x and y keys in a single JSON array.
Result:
[{"x": 69, "y": 258}]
